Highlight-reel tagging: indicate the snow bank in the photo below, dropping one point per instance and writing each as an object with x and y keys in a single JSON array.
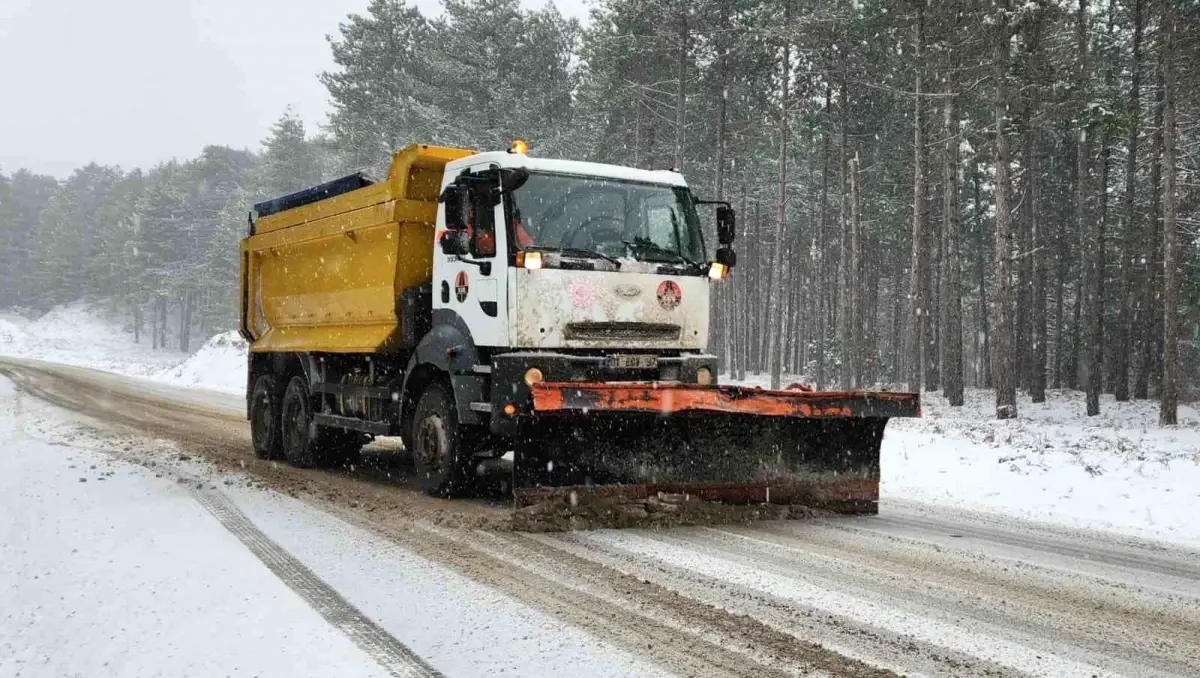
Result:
[
  {"x": 81, "y": 335},
  {"x": 1118, "y": 471},
  {"x": 77, "y": 334},
  {"x": 219, "y": 365}
]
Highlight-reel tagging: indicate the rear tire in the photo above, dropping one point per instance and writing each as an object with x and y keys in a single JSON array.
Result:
[
  {"x": 300, "y": 444},
  {"x": 438, "y": 450},
  {"x": 264, "y": 418}
]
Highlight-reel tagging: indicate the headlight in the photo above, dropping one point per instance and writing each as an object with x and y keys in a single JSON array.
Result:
[{"x": 704, "y": 376}]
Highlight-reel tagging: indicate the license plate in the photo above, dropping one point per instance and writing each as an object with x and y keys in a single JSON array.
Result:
[{"x": 628, "y": 361}]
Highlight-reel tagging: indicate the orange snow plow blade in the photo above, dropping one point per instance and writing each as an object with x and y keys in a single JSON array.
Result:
[{"x": 726, "y": 443}]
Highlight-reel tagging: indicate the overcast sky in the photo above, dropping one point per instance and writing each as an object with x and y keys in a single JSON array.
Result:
[{"x": 136, "y": 82}]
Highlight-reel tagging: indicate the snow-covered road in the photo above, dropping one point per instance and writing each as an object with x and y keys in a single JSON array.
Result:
[
  {"x": 107, "y": 568},
  {"x": 919, "y": 589}
]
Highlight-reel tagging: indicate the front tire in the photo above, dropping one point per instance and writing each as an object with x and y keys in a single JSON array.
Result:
[
  {"x": 438, "y": 450},
  {"x": 264, "y": 418}
]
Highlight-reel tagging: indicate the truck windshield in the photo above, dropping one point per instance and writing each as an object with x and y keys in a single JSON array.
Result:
[{"x": 608, "y": 217}]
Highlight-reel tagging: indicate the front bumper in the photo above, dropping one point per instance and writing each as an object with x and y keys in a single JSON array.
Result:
[
  {"x": 667, "y": 399},
  {"x": 508, "y": 385}
]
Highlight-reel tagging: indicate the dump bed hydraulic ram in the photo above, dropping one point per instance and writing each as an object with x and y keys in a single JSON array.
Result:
[{"x": 593, "y": 441}]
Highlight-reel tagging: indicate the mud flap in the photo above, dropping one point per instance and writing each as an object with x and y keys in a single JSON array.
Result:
[{"x": 829, "y": 463}]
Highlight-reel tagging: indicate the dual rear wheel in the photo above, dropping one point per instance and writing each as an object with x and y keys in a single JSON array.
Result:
[{"x": 282, "y": 427}]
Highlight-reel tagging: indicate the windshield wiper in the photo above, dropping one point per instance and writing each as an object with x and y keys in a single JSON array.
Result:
[
  {"x": 576, "y": 252},
  {"x": 646, "y": 246}
]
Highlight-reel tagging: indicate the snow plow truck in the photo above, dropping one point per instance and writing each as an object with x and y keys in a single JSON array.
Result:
[{"x": 505, "y": 314}]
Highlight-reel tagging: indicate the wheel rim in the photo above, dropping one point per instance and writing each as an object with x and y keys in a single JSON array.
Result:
[
  {"x": 262, "y": 418},
  {"x": 431, "y": 443},
  {"x": 295, "y": 427}
]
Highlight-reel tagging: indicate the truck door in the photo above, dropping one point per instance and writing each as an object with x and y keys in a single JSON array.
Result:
[{"x": 472, "y": 286}]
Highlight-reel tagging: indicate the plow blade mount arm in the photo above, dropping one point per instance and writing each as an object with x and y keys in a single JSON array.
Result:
[{"x": 728, "y": 443}]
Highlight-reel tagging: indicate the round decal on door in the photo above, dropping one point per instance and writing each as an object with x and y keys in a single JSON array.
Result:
[
  {"x": 461, "y": 286},
  {"x": 581, "y": 293},
  {"x": 669, "y": 294}
]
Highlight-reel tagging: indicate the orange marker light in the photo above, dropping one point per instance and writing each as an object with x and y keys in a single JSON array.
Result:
[
  {"x": 510, "y": 409},
  {"x": 532, "y": 376},
  {"x": 518, "y": 146}
]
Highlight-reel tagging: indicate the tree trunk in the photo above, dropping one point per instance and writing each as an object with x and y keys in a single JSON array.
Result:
[
  {"x": 1169, "y": 403},
  {"x": 724, "y": 292},
  {"x": 819, "y": 250},
  {"x": 844, "y": 289},
  {"x": 951, "y": 278},
  {"x": 1102, "y": 289},
  {"x": 743, "y": 290},
  {"x": 137, "y": 323},
  {"x": 1151, "y": 239},
  {"x": 1033, "y": 254},
  {"x": 854, "y": 280},
  {"x": 1037, "y": 310},
  {"x": 1004, "y": 365},
  {"x": 1024, "y": 268},
  {"x": 1127, "y": 335},
  {"x": 916, "y": 316},
  {"x": 778, "y": 263},
  {"x": 897, "y": 324},
  {"x": 162, "y": 321},
  {"x": 931, "y": 351},
  {"x": 984, "y": 356},
  {"x": 681, "y": 96},
  {"x": 185, "y": 312},
  {"x": 1089, "y": 231}
]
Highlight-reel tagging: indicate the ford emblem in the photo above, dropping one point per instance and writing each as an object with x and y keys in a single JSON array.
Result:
[{"x": 627, "y": 291}]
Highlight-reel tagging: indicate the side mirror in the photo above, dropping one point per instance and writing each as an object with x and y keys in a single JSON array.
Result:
[
  {"x": 726, "y": 257},
  {"x": 512, "y": 178},
  {"x": 455, "y": 242},
  {"x": 455, "y": 197},
  {"x": 726, "y": 225}
]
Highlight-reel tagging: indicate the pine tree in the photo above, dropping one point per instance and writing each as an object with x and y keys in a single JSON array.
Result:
[
  {"x": 380, "y": 89},
  {"x": 289, "y": 161},
  {"x": 1003, "y": 358}
]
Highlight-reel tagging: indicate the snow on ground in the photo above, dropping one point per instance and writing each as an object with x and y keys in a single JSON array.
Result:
[
  {"x": 219, "y": 365},
  {"x": 460, "y": 626},
  {"x": 79, "y": 334},
  {"x": 108, "y": 570},
  {"x": 1118, "y": 471}
]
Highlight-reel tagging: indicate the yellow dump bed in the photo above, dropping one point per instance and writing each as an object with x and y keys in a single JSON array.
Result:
[{"x": 328, "y": 276}]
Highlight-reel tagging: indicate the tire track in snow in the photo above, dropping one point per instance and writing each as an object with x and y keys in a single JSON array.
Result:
[
  {"x": 371, "y": 638},
  {"x": 384, "y": 648}
]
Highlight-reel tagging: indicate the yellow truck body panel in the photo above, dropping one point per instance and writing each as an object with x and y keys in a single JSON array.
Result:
[{"x": 328, "y": 276}]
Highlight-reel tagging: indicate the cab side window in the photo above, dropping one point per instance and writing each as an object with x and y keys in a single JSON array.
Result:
[{"x": 483, "y": 227}]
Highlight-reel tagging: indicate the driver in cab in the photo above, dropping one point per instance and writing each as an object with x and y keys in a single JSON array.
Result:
[{"x": 483, "y": 239}]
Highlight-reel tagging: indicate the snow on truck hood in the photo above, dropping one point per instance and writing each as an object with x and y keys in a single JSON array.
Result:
[{"x": 592, "y": 169}]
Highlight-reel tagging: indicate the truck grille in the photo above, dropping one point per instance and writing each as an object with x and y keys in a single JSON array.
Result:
[{"x": 610, "y": 331}]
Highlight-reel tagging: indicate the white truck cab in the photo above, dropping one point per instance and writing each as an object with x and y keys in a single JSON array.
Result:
[{"x": 539, "y": 254}]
